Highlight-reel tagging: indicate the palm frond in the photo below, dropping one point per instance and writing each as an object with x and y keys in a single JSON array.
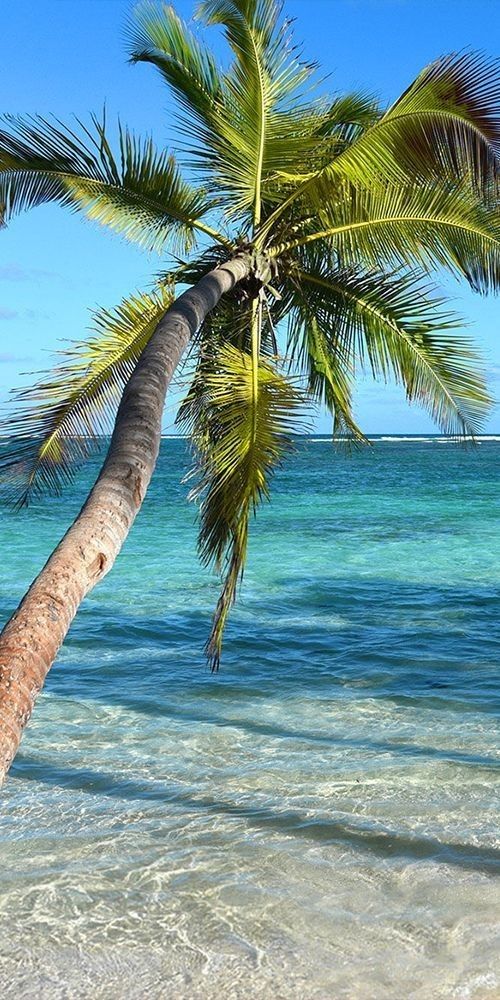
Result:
[
  {"x": 447, "y": 123},
  {"x": 444, "y": 127},
  {"x": 334, "y": 127},
  {"x": 157, "y": 35},
  {"x": 348, "y": 116},
  {"x": 448, "y": 119},
  {"x": 139, "y": 194},
  {"x": 321, "y": 352},
  {"x": 265, "y": 130},
  {"x": 71, "y": 406},
  {"x": 397, "y": 326},
  {"x": 240, "y": 432},
  {"x": 422, "y": 225}
]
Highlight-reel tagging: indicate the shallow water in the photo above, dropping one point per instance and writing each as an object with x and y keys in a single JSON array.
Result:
[{"x": 320, "y": 820}]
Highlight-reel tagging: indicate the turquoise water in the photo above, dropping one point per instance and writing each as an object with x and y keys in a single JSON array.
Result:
[{"x": 320, "y": 820}]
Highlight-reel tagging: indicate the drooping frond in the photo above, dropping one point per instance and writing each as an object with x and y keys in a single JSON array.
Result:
[
  {"x": 398, "y": 327},
  {"x": 325, "y": 354},
  {"x": 139, "y": 194},
  {"x": 56, "y": 423},
  {"x": 423, "y": 225},
  {"x": 240, "y": 431},
  {"x": 448, "y": 121}
]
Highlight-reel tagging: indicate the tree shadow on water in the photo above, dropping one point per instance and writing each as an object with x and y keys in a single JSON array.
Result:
[
  {"x": 424, "y": 646},
  {"x": 326, "y": 641},
  {"x": 375, "y": 840}
]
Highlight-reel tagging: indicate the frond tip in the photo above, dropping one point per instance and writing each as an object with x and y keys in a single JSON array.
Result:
[
  {"x": 74, "y": 403},
  {"x": 157, "y": 35}
]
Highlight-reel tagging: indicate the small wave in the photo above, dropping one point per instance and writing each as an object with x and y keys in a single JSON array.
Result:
[{"x": 402, "y": 439}]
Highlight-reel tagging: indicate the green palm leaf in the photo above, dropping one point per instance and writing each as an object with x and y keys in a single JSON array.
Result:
[
  {"x": 241, "y": 429},
  {"x": 73, "y": 404},
  {"x": 324, "y": 130},
  {"x": 267, "y": 131},
  {"x": 315, "y": 346},
  {"x": 157, "y": 35},
  {"x": 426, "y": 225},
  {"x": 445, "y": 126},
  {"x": 348, "y": 116},
  {"x": 397, "y": 326},
  {"x": 446, "y": 123},
  {"x": 140, "y": 195}
]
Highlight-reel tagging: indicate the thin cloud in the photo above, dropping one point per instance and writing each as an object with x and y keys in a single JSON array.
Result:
[
  {"x": 35, "y": 314},
  {"x": 30, "y": 314},
  {"x": 8, "y": 359},
  {"x": 14, "y": 272}
]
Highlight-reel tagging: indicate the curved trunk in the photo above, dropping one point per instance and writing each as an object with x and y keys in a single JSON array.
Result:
[{"x": 32, "y": 637}]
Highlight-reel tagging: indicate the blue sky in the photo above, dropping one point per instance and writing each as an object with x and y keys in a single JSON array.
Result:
[{"x": 68, "y": 56}]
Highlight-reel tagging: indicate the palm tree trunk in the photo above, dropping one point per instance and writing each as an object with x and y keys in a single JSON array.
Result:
[{"x": 32, "y": 637}]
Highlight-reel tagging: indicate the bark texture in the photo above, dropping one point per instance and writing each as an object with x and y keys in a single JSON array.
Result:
[{"x": 31, "y": 639}]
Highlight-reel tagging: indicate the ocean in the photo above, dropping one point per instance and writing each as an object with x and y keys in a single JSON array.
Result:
[{"x": 318, "y": 821}]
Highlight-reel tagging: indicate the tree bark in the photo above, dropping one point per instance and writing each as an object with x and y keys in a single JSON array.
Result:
[{"x": 31, "y": 639}]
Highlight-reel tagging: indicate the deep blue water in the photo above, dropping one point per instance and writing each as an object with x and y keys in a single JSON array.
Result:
[{"x": 318, "y": 821}]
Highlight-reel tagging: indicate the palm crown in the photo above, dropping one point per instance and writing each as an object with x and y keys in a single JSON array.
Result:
[{"x": 346, "y": 210}]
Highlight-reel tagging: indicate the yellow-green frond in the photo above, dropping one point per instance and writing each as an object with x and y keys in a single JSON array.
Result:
[
  {"x": 446, "y": 124},
  {"x": 157, "y": 35},
  {"x": 326, "y": 357},
  {"x": 56, "y": 423},
  {"x": 240, "y": 436},
  {"x": 265, "y": 130},
  {"x": 423, "y": 225},
  {"x": 139, "y": 194},
  {"x": 445, "y": 127},
  {"x": 398, "y": 327}
]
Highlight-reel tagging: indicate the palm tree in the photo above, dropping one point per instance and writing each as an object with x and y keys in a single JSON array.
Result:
[{"x": 325, "y": 218}]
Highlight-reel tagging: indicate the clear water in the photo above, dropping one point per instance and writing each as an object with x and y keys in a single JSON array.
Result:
[{"x": 319, "y": 821}]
